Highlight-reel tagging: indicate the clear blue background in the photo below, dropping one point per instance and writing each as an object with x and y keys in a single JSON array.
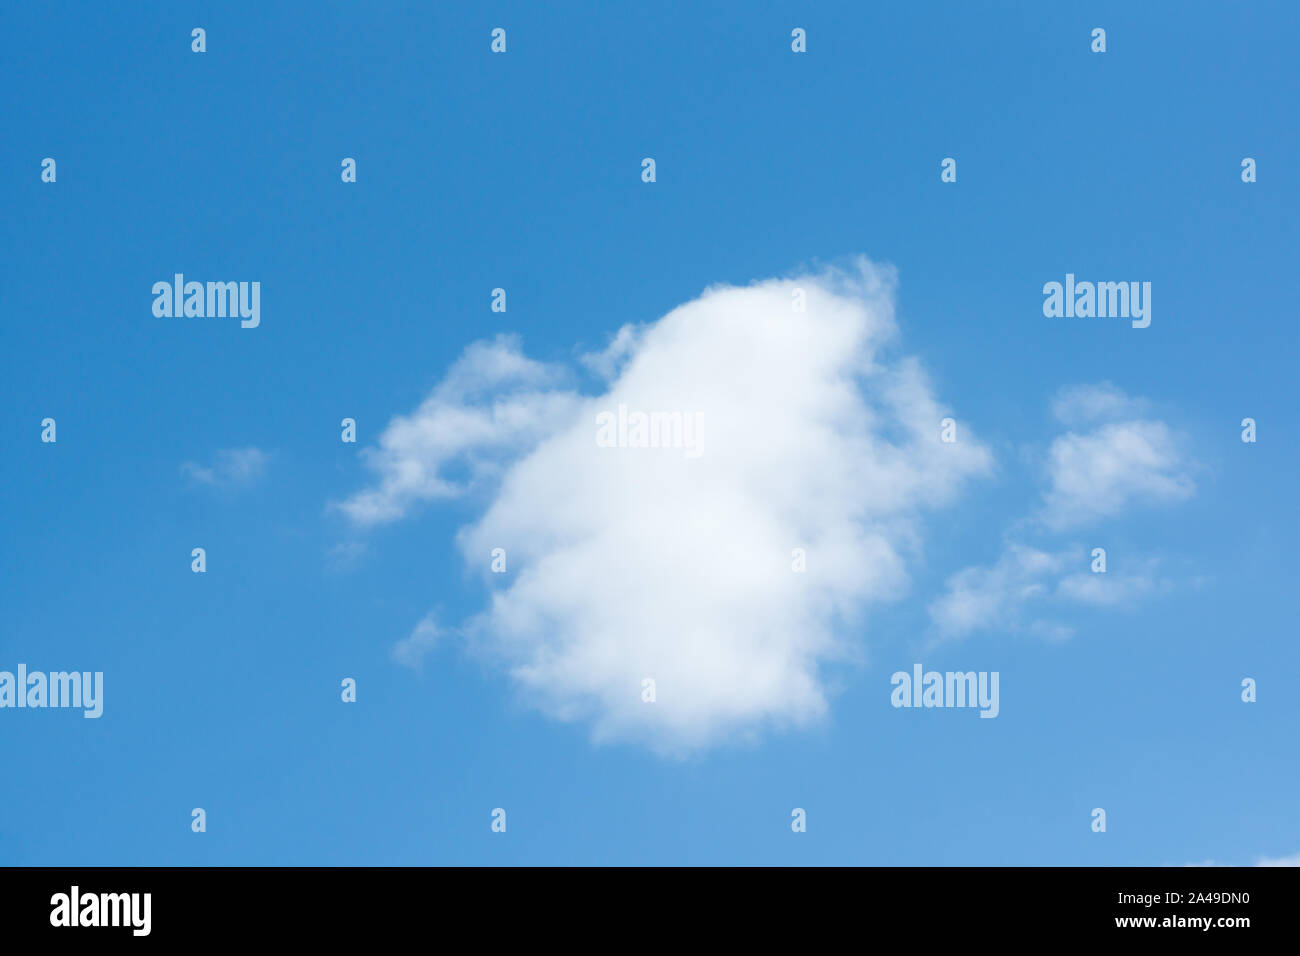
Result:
[{"x": 523, "y": 171}]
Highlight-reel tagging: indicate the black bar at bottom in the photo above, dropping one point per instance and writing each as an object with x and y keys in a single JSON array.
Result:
[{"x": 337, "y": 906}]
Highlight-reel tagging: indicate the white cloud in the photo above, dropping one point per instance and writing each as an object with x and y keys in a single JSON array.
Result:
[
  {"x": 987, "y": 598},
  {"x": 607, "y": 362},
  {"x": 1293, "y": 860},
  {"x": 494, "y": 404},
  {"x": 1025, "y": 579},
  {"x": 233, "y": 466},
  {"x": 1080, "y": 404},
  {"x": 1107, "y": 590},
  {"x": 411, "y": 650},
  {"x": 632, "y": 563},
  {"x": 1090, "y": 476},
  {"x": 979, "y": 598},
  {"x": 1098, "y": 474}
]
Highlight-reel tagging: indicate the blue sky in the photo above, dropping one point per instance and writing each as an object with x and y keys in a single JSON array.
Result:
[{"x": 523, "y": 171}]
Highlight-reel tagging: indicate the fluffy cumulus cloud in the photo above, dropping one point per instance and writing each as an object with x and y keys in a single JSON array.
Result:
[
  {"x": 1122, "y": 460},
  {"x": 785, "y": 421},
  {"x": 1112, "y": 463},
  {"x": 494, "y": 402},
  {"x": 1099, "y": 474}
]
